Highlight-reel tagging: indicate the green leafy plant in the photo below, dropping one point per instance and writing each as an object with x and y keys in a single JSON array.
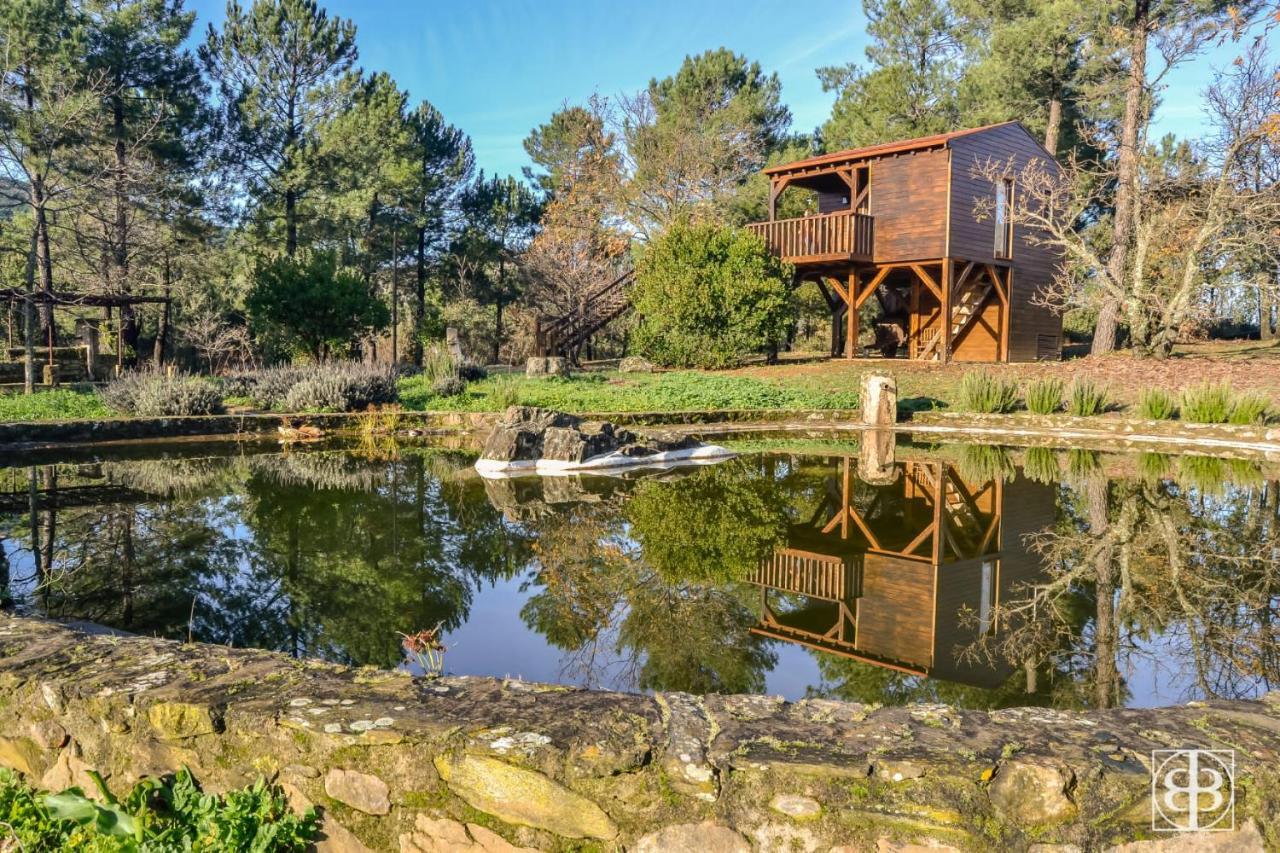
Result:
[
  {"x": 54, "y": 404},
  {"x": 1208, "y": 403},
  {"x": 985, "y": 394},
  {"x": 1249, "y": 408},
  {"x": 1156, "y": 404},
  {"x": 156, "y": 814},
  {"x": 1086, "y": 399},
  {"x": 1044, "y": 396},
  {"x": 1152, "y": 467}
]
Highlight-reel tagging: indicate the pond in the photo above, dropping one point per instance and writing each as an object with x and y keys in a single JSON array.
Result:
[{"x": 967, "y": 574}]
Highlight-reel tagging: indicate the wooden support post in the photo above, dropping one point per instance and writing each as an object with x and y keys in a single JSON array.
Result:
[
  {"x": 851, "y": 317},
  {"x": 1006, "y": 308},
  {"x": 945, "y": 331},
  {"x": 913, "y": 340}
]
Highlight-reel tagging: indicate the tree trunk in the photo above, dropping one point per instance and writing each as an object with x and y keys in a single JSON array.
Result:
[
  {"x": 1106, "y": 675},
  {"x": 1054, "y": 125},
  {"x": 497, "y": 330},
  {"x": 1266, "y": 307},
  {"x": 129, "y": 330},
  {"x": 29, "y": 321},
  {"x": 162, "y": 327},
  {"x": 419, "y": 295},
  {"x": 1104, "y": 336}
]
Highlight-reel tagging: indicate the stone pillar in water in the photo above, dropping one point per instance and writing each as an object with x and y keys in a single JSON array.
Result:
[{"x": 879, "y": 400}]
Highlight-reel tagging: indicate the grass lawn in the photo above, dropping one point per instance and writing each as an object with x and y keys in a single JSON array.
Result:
[
  {"x": 631, "y": 392},
  {"x": 55, "y": 405},
  {"x": 797, "y": 382}
]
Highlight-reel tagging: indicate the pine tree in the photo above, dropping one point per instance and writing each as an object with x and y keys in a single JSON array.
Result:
[
  {"x": 443, "y": 164},
  {"x": 280, "y": 67},
  {"x": 153, "y": 107},
  {"x": 911, "y": 88}
]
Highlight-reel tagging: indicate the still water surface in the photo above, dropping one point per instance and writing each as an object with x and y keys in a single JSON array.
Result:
[{"x": 967, "y": 574}]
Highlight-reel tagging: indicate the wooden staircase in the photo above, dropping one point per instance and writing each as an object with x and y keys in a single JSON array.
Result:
[
  {"x": 565, "y": 335},
  {"x": 967, "y": 300}
]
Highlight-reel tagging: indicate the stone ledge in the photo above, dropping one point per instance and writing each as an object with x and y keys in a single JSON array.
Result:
[{"x": 399, "y": 763}]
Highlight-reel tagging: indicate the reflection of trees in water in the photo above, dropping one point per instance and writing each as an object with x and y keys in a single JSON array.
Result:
[
  {"x": 634, "y": 590},
  {"x": 321, "y": 557},
  {"x": 1184, "y": 573}
]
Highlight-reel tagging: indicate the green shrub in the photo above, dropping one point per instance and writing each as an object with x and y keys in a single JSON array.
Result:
[
  {"x": 1156, "y": 404},
  {"x": 708, "y": 297},
  {"x": 1086, "y": 399},
  {"x": 983, "y": 393},
  {"x": 313, "y": 304},
  {"x": 157, "y": 814},
  {"x": 1250, "y": 408},
  {"x": 1044, "y": 396},
  {"x": 1083, "y": 463},
  {"x": 1207, "y": 404},
  {"x": 153, "y": 394},
  {"x": 341, "y": 387}
]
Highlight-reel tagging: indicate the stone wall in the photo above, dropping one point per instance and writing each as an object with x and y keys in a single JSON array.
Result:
[{"x": 477, "y": 764}]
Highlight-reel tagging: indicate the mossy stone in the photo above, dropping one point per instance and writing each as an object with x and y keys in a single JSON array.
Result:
[
  {"x": 181, "y": 720},
  {"x": 525, "y": 797}
]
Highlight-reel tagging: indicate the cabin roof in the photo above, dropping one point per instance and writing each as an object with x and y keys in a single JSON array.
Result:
[{"x": 901, "y": 146}]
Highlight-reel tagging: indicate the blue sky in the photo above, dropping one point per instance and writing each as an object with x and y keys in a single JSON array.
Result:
[{"x": 497, "y": 68}]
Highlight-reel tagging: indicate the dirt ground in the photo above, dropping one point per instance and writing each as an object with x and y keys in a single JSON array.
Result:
[{"x": 1244, "y": 365}]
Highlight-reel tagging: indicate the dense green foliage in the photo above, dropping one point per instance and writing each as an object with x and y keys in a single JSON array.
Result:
[
  {"x": 157, "y": 814},
  {"x": 984, "y": 393},
  {"x": 1249, "y": 409},
  {"x": 313, "y": 304},
  {"x": 709, "y": 297}
]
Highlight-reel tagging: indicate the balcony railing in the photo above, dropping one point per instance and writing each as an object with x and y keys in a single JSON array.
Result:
[{"x": 829, "y": 236}]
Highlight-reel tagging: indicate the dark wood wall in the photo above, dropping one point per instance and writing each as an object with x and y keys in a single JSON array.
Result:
[
  {"x": 909, "y": 203},
  {"x": 1034, "y": 331}
]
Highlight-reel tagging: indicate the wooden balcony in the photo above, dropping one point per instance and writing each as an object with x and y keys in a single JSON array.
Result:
[{"x": 841, "y": 236}]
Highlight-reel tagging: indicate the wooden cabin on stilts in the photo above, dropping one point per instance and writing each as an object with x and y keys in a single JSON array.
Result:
[{"x": 901, "y": 222}]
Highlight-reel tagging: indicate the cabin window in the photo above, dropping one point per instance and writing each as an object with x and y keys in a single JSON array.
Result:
[
  {"x": 987, "y": 596},
  {"x": 1004, "y": 218}
]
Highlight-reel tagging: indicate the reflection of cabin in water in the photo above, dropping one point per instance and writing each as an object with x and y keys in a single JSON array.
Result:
[
  {"x": 883, "y": 573},
  {"x": 922, "y": 226}
]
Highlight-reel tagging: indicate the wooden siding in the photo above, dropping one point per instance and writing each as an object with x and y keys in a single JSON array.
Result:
[
  {"x": 895, "y": 612},
  {"x": 972, "y": 239},
  {"x": 909, "y": 203}
]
